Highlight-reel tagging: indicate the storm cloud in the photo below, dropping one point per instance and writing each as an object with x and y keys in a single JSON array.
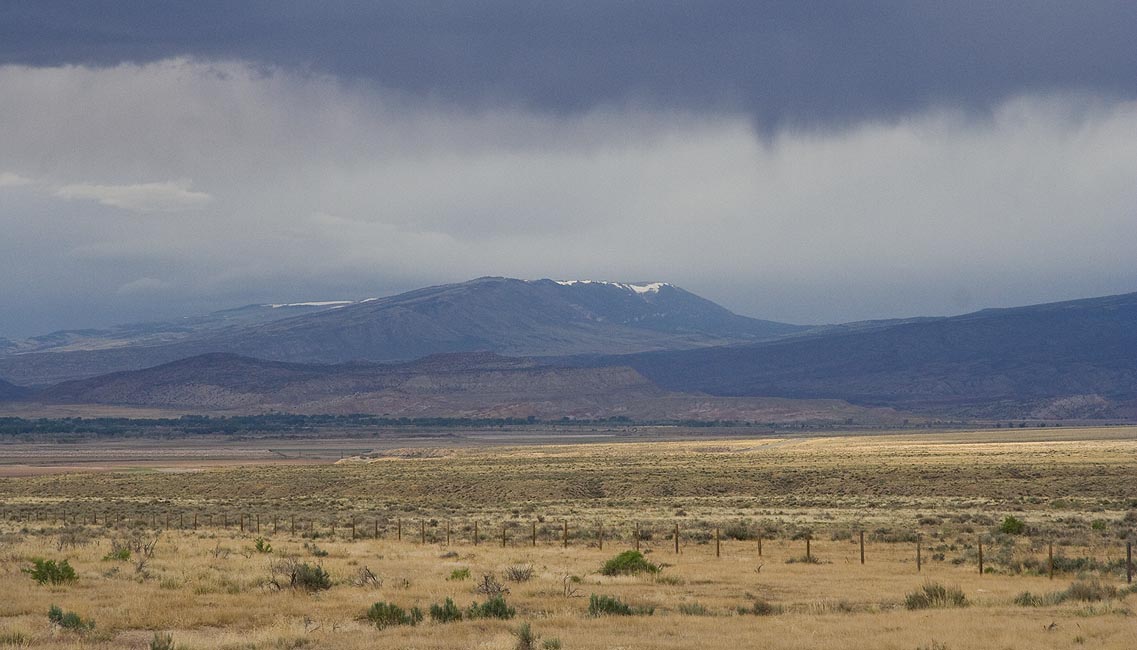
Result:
[{"x": 793, "y": 163}]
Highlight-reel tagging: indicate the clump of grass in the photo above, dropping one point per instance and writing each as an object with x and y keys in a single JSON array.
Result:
[
  {"x": 693, "y": 609},
  {"x": 628, "y": 563},
  {"x": 69, "y": 620},
  {"x": 162, "y": 641},
  {"x": 803, "y": 559},
  {"x": 49, "y": 571},
  {"x": 316, "y": 551},
  {"x": 495, "y": 607},
  {"x": 611, "y": 606},
  {"x": 460, "y": 574},
  {"x": 385, "y": 615},
  {"x": 935, "y": 595},
  {"x": 1086, "y": 591},
  {"x": 447, "y": 612},
  {"x": 761, "y": 607}
]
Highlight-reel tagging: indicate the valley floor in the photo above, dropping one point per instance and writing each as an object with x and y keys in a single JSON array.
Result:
[{"x": 410, "y": 516}]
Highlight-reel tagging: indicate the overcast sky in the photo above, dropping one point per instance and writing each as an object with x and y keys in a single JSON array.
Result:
[{"x": 800, "y": 161}]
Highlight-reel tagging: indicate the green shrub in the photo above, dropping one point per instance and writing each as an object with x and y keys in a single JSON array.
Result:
[
  {"x": 299, "y": 575},
  {"x": 628, "y": 563},
  {"x": 612, "y": 606},
  {"x": 526, "y": 637},
  {"x": 261, "y": 546},
  {"x": 69, "y": 620},
  {"x": 385, "y": 615},
  {"x": 933, "y": 594},
  {"x": 121, "y": 553},
  {"x": 493, "y": 608},
  {"x": 446, "y": 612},
  {"x": 551, "y": 643},
  {"x": 45, "y": 571},
  {"x": 1012, "y": 526},
  {"x": 460, "y": 574}
]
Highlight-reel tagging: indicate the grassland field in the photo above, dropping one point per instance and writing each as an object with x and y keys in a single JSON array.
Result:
[{"x": 191, "y": 524}]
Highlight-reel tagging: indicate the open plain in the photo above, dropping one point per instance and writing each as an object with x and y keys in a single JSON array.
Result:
[{"x": 205, "y": 546}]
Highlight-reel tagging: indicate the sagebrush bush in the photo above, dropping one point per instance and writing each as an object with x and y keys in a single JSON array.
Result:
[
  {"x": 446, "y": 612},
  {"x": 628, "y": 563},
  {"x": 384, "y": 615},
  {"x": 48, "y": 571},
  {"x": 300, "y": 575},
  {"x": 495, "y": 607},
  {"x": 935, "y": 595},
  {"x": 761, "y": 607},
  {"x": 601, "y": 605}
]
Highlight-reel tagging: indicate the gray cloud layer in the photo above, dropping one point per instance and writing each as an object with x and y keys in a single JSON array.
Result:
[
  {"x": 795, "y": 62},
  {"x": 160, "y": 189}
]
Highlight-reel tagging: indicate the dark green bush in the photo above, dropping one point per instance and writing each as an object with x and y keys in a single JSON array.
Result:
[
  {"x": 385, "y": 615},
  {"x": 446, "y": 612},
  {"x": 933, "y": 594},
  {"x": 493, "y": 608},
  {"x": 45, "y": 571},
  {"x": 628, "y": 563},
  {"x": 1012, "y": 526},
  {"x": 69, "y": 620}
]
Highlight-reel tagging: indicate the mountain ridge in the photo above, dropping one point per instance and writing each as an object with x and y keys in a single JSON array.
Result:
[{"x": 503, "y": 315}]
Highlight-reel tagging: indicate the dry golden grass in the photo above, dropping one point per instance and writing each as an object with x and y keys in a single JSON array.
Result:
[{"x": 210, "y": 589}]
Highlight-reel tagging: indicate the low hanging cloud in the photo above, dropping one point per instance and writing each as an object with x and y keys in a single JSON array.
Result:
[
  {"x": 139, "y": 197},
  {"x": 307, "y": 187}
]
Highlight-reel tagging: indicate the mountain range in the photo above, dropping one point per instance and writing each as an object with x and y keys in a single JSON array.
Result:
[
  {"x": 505, "y": 347},
  {"x": 502, "y": 315}
]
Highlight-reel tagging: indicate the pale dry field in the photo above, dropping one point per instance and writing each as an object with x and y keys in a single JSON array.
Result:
[{"x": 209, "y": 588}]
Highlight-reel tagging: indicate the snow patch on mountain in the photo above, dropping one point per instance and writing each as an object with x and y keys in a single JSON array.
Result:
[{"x": 637, "y": 287}]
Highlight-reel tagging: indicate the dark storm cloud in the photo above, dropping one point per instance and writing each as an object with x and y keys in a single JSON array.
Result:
[{"x": 794, "y": 61}]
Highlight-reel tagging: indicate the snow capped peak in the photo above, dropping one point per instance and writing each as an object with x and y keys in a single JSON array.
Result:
[
  {"x": 634, "y": 287},
  {"x": 323, "y": 303}
]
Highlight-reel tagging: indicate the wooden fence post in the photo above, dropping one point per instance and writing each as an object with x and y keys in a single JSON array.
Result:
[
  {"x": 399, "y": 529},
  {"x": 534, "y": 533},
  {"x": 376, "y": 534},
  {"x": 353, "y": 528},
  {"x": 676, "y": 539},
  {"x": 274, "y": 524},
  {"x": 919, "y": 558},
  {"x": 600, "y": 536},
  {"x": 293, "y": 521},
  {"x": 242, "y": 522},
  {"x": 718, "y": 546},
  {"x": 503, "y": 535},
  {"x": 565, "y": 522},
  {"x": 808, "y": 554},
  {"x": 862, "y": 547},
  {"x": 759, "y": 544},
  {"x": 195, "y": 521},
  {"x": 258, "y": 524},
  {"x": 1050, "y": 559},
  {"x": 1129, "y": 562},
  {"x": 980, "y": 557},
  {"x": 637, "y": 535},
  {"x": 422, "y": 529},
  {"x": 475, "y": 532},
  {"x": 448, "y": 532}
]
